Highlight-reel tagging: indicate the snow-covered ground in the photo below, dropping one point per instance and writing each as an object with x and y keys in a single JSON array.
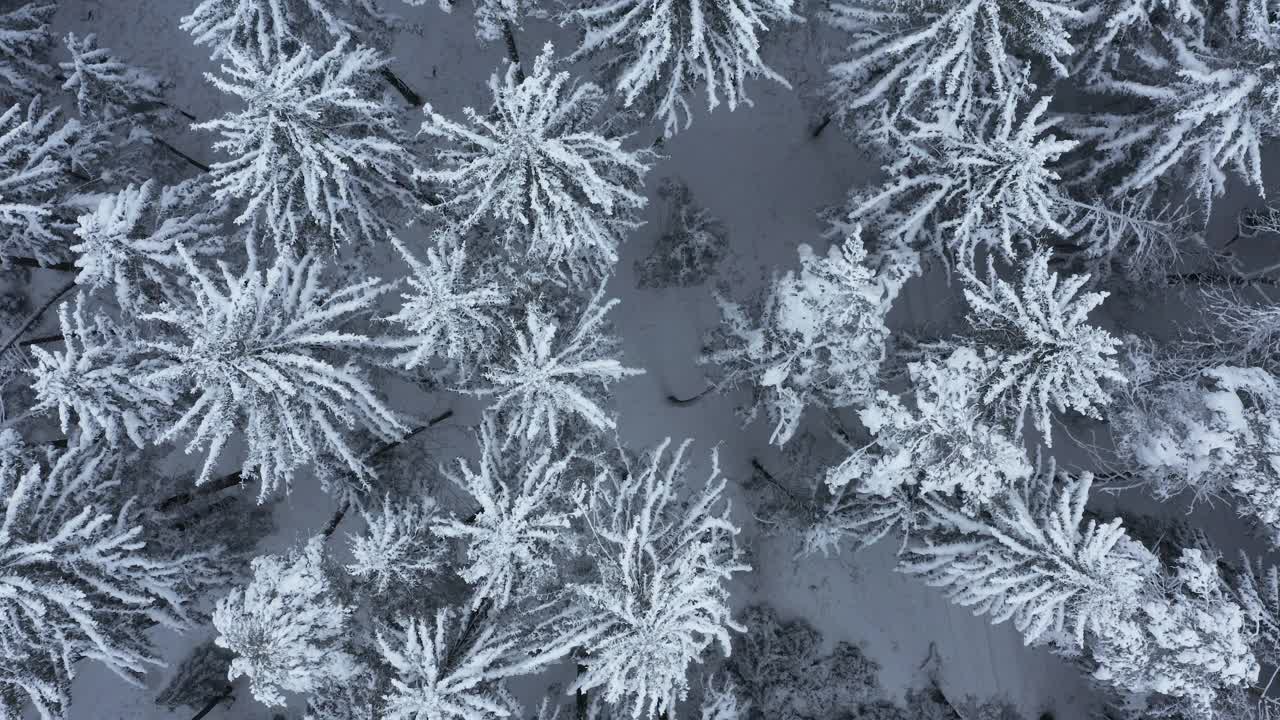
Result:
[{"x": 759, "y": 170}]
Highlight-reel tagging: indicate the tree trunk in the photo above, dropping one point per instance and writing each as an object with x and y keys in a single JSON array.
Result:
[
  {"x": 513, "y": 52},
  {"x": 477, "y": 616},
  {"x": 181, "y": 112},
  {"x": 78, "y": 175},
  {"x": 235, "y": 478},
  {"x": 34, "y": 263},
  {"x": 43, "y": 340},
  {"x": 1212, "y": 279},
  {"x": 213, "y": 703},
  {"x": 581, "y": 702},
  {"x": 822, "y": 125},
  {"x": 769, "y": 478},
  {"x": 387, "y": 447},
  {"x": 685, "y": 402},
  {"x": 334, "y": 521},
  {"x": 406, "y": 92},
  {"x": 190, "y": 160},
  {"x": 35, "y": 317},
  {"x": 186, "y": 496}
]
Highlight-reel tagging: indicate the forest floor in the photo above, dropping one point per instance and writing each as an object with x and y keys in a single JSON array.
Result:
[{"x": 762, "y": 173}]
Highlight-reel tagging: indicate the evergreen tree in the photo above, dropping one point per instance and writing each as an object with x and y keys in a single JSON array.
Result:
[
  {"x": 495, "y": 18},
  {"x": 128, "y": 245},
  {"x": 1170, "y": 638},
  {"x": 660, "y": 600},
  {"x": 945, "y": 445},
  {"x": 261, "y": 355},
  {"x": 38, "y": 164},
  {"x": 1214, "y": 436},
  {"x": 1200, "y": 92},
  {"x": 665, "y": 48},
  {"x": 260, "y": 358},
  {"x": 317, "y": 157},
  {"x": 93, "y": 383},
  {"x": 452, "y": 311},
  {"x": 820, "y": 336},
  {"x": 959, "y": 185},
  {"x": 447, "y": 671},
  {"x": 1256, "y": 588},
  {"x": 779, "y": 672},
  {"x": 398, "y": 548},
  {"x": 107, "y": 89},
  {"x": 77, "y": 579},
  {"x": 287, "y": 627},
  {"x": 693, "y": 243},
  {"x": 540, "y": 169},
  {"x": 512, "y": 539},
  {"x": 1042, "y": 353},
  {"x": 550, "y": 376},
  {"x": 1033, "y": 559},
  {"x": 24, "y": 39},
  {"x": 1189, "y": 641},
  {"x": 270, "y": 28},
  {"x": 926, "y": 57}
]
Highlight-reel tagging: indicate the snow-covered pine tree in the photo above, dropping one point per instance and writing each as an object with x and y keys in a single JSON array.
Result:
[
  {"x": 93, "y": 382},
  {"x": 1216, "y": 435},
  {"x": 129, "y": 242},
  {"x": 523, "y": 518},
  {"x": 1243, "y": 329},
  {"x": 817, "y": 337},
  {"x": 448, "y": 670},
  {"x": 77, "y": 580},
  {"x": 1114, "y": 28},
  {"x": 270, "y": 28},
  {"x": 1199, "y": 95},
  {"x": 823, "y": 516},
  {"x": 1256, "y": 588},
  {"x": 779, "y": 671},
  {"x": 1138, "y": 237},
  {"x": 540, "y": 169},
  {"x": 201, "y": 676},
  {"x": 495, "y": 18},
  {"x": 399, "y": 548},
  {"x": 1032, "y": 558},
  {"x": 1042, "y": 353},
  {"x": 267, "y": 358},
  {"x": 355, "y": 697},
  {"x": 963, "y": 183},
  {"x": 109, "y": 90},
  {"x": 288, "y": 628},
  {"x": 665, "y": 48},
  {"x": 720, "y": 701},
  {"x": 834, "y": 516},
  {"x": 260, "y": 356},
  {"x": 38, "y": 168},
  {"x": 317, "y": 157},
  {"x": 24, "y": 40},
  {"x": 550, "y": 376},
  {"x": 1187, "y": 647},
  {"x": 945, "y": 445},
  {"x": 917, "y": 58},
  {"x": 693, "y": 242},
  {"x": 1168, "y": 637},
  {"x": 452, "y": 312},
  {"x": 660, "y": 600}
]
